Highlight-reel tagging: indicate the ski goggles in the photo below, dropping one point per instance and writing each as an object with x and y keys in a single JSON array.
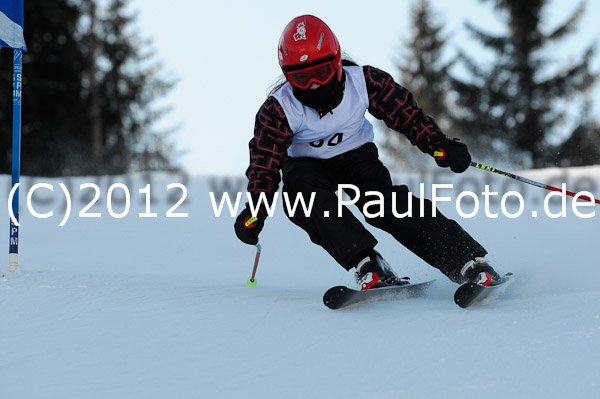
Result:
[{"x": 303, "y": 78}]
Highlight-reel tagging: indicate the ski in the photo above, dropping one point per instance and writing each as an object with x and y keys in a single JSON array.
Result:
[
  {"x": 472, "y": 294},
  {"x": 341, "y": 296}
]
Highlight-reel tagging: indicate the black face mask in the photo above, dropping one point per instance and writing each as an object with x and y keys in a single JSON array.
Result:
[{"x": 323, "y": 99}]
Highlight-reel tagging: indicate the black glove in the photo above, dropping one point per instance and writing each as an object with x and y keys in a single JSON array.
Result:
[
  {"x": 247, "y": 227},
  {"x": 452, "y": 153}
]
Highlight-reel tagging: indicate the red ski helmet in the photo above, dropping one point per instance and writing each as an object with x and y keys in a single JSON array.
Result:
[{"x": 309, "y": 52}]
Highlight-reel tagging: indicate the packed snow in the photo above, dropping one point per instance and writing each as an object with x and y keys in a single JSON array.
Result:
[{"x": 142, "y": 307}]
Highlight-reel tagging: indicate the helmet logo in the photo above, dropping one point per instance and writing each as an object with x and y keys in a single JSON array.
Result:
[
  {"x": 304, "y": 57},
  {"x": 300, "y": 32}
]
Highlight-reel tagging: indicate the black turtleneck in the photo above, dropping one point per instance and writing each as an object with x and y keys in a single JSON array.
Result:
[{"x": 325, "y": 98}]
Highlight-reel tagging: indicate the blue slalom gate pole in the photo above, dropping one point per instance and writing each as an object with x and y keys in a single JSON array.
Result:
[{"x": 13, "y": 253}]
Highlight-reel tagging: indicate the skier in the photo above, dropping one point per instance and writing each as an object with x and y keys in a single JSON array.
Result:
[{"x": 314, "y": 129}]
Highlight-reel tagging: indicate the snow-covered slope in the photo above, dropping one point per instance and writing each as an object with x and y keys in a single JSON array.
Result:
[{"x": 158, "y": 307}]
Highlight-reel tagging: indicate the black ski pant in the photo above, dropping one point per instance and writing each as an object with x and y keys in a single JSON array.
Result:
[{"x": 439, "y": 241}]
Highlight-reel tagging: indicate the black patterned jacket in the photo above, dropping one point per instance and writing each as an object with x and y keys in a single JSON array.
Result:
[{"x": 388, "y": 101}]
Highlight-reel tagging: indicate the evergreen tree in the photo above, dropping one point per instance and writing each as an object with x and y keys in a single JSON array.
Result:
[
  {"x": 423, "y": 70},
  {"x": 425, "y": 74},
  {"x": 518, "y": 105},
  {"x": 52, "y": 70},
  {"x": 88, "y": 87},
  {"x": 583, "y": 146},
  {"x": 129, "y": 82}
]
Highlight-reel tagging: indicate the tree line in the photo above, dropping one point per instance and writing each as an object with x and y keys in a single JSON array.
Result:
[
  {"x": 89, "y": 86},
  {"x": 515, "y": 106},
  {"x": 90, "y": 83}
]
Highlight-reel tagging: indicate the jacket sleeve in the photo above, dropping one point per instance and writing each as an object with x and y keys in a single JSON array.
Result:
[
  {"x": 268, "y": 149},
  {"x": 395, "y": 105}
]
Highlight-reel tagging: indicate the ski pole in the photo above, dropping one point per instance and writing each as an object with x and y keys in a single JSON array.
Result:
[
  {"x": 528, "y": 181},
  {"x": 440, "y": 153},
  {"x": 251, "y": 280}
]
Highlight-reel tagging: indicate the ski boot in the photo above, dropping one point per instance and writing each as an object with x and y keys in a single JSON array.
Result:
[
  {"x": 480, "y": 272},
  {"x": 374, "y": 271}
]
